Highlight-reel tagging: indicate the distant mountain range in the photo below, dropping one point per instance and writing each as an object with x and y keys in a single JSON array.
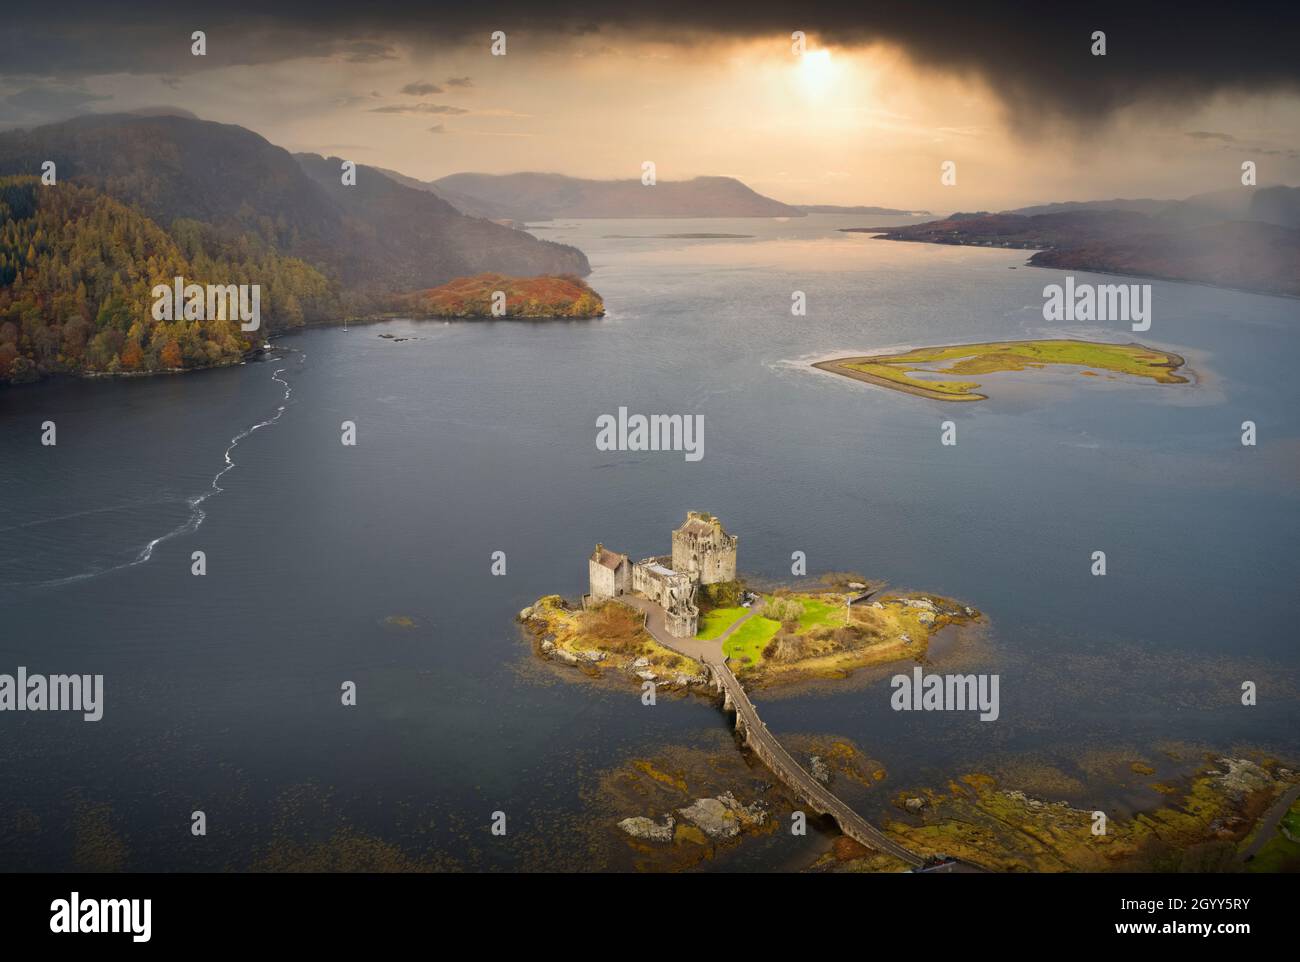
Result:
[
  {"x": 533, "y": 197},
  {"x": 859, "y": 209},
  {"x": 484, "y": 207}
]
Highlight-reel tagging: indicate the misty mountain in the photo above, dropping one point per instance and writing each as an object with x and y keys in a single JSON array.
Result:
[
  {"x": 1239, "y": 254},
  {"x": 1145, "y": 205},
  {"x": 422, "y": 241},
  {"x": 531, "y": 196},
  {"x": 162, "y": 110},
  {"x": 1278, "y": 205},
  {"x": 1223, "y": 250},
  {"x": 473, "y": 194},
  {"x": 377, "y": 237},
  {"x": 856, "y": 209},
  {"x": 473, "y": 206}
]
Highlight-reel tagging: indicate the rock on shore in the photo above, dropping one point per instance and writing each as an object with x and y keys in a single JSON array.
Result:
[
  {"x": 639, "y": 826},
  {"x": 819, "y": 770},
  {"x": 723, "y": 817}
]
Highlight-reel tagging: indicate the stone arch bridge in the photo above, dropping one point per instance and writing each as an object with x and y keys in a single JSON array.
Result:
[
  {"x": 761, "y": 741},
  {"x": 795, "y": 777}
]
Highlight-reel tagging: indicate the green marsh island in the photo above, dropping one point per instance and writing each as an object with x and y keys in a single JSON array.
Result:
[{"x": 962, "y": 361}]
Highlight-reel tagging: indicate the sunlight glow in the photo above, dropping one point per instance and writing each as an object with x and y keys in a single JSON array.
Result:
[{"x": 817, "y": 73}]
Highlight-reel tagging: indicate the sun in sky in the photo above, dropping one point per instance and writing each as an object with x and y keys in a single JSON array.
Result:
[{"x": 816, "y": 71}]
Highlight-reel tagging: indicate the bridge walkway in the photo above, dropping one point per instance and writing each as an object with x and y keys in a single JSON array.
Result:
[{"x": 757, "y": 736}]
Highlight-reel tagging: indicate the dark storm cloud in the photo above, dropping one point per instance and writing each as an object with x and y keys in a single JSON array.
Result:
[
  {"x": 459, "y": 82},
  {"x": 1209, "y": 135},
  {"x": 41, "y": 101},
  {"x": 421, "y": 89},
  {"x": 1035, "y": 57}
]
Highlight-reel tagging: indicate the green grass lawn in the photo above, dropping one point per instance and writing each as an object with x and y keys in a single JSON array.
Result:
[
  {"x": 819, "y": 613},
  {"x": 992, "y": 357},
  {"x": 750, "y": 639},
  {"x": 718, "y": 620}
]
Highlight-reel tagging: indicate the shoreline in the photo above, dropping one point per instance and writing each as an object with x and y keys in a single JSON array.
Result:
[
  {"x": 555, "y": 627},
  {"x": 836, "y": 366},
  {"x": 260, "y": 353}
]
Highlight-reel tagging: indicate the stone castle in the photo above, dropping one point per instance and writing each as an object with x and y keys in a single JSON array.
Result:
[{"x": 702, "y": 554}]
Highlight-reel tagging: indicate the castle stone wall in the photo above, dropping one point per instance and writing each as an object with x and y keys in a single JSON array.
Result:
[{"x": 603, "y": 583}]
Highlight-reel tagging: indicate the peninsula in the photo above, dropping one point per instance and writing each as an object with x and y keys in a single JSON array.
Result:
[
  {"x": 895, "y": 371},
  {"x": 547, "y": 296},
  {"x": 1257, "y": 249}
]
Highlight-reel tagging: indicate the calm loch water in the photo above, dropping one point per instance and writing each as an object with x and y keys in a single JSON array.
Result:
[{"x": 222, "y": 692}]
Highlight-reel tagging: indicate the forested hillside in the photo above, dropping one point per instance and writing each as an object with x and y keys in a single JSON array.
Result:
[
  {"x": 139, "y": 200},
  {"x": 76, "y": 273}
]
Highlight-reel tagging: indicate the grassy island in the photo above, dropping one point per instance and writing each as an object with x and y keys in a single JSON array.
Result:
[
  {"x": 797, "y": 634},
  {"x": 792, "y": 635},
  {"x": 539, "y": 297},
  {"x": 895, "y": 371}
]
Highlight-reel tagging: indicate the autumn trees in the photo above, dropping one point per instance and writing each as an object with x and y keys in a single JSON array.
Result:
[
  {"x": 77, "y": 268},
  {"x": 561, "y": 295}
]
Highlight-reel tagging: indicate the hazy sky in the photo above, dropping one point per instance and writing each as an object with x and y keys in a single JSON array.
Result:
[{"x": 863, "y": 116}]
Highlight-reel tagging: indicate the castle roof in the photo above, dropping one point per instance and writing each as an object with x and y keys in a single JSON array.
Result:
[
  {"x": 699, "y": 526},
  {"x": 610, "y": 559}
]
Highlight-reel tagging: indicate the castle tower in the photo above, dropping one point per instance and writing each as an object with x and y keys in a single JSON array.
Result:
[
  {"x": 609, "y": 573},
  {"x": 703, "y": 550}
]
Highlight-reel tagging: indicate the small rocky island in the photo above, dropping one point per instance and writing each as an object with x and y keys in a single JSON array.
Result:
[
  {"x": 897, "y": 371},
  {"x": 663, "y": 618},
  {"x": 547, "y": 296}
]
